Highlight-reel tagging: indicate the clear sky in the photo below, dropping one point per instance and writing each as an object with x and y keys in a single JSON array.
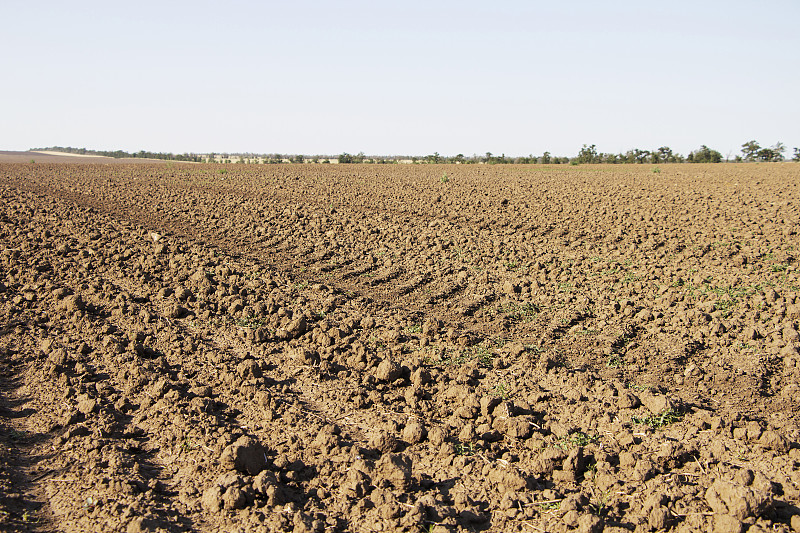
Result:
[{"x": 414, "y": 77}]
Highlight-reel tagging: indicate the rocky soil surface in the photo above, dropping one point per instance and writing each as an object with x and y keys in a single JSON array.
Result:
[{"x": 399, "y": 348}]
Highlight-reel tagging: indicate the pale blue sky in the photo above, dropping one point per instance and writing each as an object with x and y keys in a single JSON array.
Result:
[{"x": 415, "y": 77}]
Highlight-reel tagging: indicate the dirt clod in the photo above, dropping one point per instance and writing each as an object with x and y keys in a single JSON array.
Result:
[
  {"x": 740, "y": 502},
  {"x": 245, "y": 455}
]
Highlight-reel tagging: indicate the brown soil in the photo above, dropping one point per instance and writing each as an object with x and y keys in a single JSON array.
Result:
[{"x": 399, "y": 348}]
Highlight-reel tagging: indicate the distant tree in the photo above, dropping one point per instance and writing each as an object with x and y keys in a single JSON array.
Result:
[
  {"x": 640, "y": 156},
  {"x": 704, "y": 155},
  {"x": 546, "y": 158},
  {"x": 765, "y": 154},
  {"x": 774, "y": 153},
  {"x": 298, "y": 159},
  {"x": 665, "y": 154},
  {"x": 345, "y": 158},
  {"x": 796, "y": 156},
  {"x": 588, "y": 154},
  {"x": 778, "y": 148},
  {"x": 750, "y": 150}
]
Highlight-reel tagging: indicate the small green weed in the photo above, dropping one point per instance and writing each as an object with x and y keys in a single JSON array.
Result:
[
  {"x": 187, "y": 445},
  {"x": 456, "y": 358},
  {"x": 591, "y": 470},
  {"x": 634, "y": 386},
  {"x": 250, "y": 322},
  {"x": 465, "y": 448},
  {"x": 578, "y": 438},
  {"x": 483, "y": 354},
  {"x": 460, "y": 254},
  {"x": 615, "y": 361},
  {"x": 600, "y": 506},
  {"x": 550, "y": 505},
  {"x": 630, "y": 278},
  {"x": 444, "y": 178},
  {"x": 533, "y": 348},
  {"x": 525, "y": 311},
  {"x": 379, "y": 345},
  {"x": 656, "y": 170},
  {"x": 501, "y": 391},
  {"x": 726, "y": 306},
  {"x": 90, "y": 503},
  {"x": 659, "y": 420}
]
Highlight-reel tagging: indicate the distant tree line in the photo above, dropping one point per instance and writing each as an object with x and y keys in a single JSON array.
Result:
[
  {"x": 752, "y": 151},
  {"x": 663, "y": 154},
  {"x": 436, "y": 158},
  {"x": 119, "y": 154},
  {"x": 589, "y": 154}
]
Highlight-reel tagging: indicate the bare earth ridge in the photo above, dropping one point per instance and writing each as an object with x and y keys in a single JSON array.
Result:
[{"x": 399, "y": 348}]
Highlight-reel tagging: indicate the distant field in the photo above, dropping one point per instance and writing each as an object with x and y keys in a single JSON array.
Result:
[{"x": 63, "y": 157}]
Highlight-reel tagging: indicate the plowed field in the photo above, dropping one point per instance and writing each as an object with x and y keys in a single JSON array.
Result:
[{"x": 399, "y": 348}]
